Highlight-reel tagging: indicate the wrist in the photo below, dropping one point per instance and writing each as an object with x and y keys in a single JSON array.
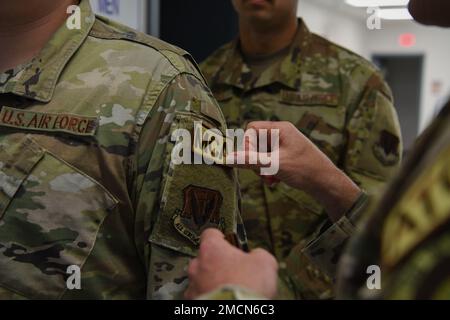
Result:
[{"x": 334, "y": 190}]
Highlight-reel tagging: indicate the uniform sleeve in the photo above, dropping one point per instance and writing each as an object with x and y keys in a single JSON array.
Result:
[
  {"x": 414, "y": 238},
  {"x": 372, "y": 157},
  {"x": 424, "y": 274},
  {"x": 326, "y": 250},
  {"x": 176, "y": 201},
  {"x": 374, "y": 148}
]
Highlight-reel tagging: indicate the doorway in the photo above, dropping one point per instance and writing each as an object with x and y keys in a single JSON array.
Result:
[{"x": 403, "y": 73}]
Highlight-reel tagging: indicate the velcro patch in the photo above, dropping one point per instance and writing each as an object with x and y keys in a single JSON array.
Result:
[
  {"x": 424, "y": 207},
  {"x": 48, "y": 122},
  {"x": 210, "y": 144}
]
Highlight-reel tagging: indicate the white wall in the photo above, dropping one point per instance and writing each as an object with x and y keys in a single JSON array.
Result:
[
  {"x": 433, "y": 43},
  {"x": 347, "y": 27},
  {"x": 331, "y": 19},
  {"x": 127, "y": 12},
  {"x": 334, "y": 24}
]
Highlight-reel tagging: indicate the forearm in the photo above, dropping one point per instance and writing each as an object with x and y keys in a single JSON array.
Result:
[{"x": 332, "y": 188}]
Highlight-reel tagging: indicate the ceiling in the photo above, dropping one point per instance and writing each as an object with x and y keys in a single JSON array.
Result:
[{"x": 341, "y": 6}]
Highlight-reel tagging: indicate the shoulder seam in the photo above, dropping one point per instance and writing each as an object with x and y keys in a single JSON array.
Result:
[{"x": 135, "y": 36}]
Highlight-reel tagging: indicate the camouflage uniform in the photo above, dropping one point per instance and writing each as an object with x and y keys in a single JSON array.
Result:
[
  {"x": 85, "y": 171},
  {"x": 406, "y": 233},
  {"x": 339, "y": 101}
]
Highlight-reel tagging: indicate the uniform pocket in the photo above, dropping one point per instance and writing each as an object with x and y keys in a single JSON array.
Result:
[
  {"x": 16, "y": 162},
  {"x": 50, "y": 219}
]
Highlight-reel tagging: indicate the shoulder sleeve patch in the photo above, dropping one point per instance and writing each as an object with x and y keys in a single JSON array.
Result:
[{"x": 194, "y": 197}]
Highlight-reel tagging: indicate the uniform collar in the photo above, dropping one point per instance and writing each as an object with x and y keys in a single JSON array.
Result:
[
  {"x": 235, "y": 71},
  {"x": 37, "y": 80}
]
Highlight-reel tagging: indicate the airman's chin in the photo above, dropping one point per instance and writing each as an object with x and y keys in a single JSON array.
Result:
[{"x": 261, "y": 20}]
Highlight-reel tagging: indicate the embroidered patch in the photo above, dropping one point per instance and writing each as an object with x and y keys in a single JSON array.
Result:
[
  {"x": 201, "y": 211},
  {"x": 423, "y": 208},
  {"x": 386, "y": 150},
  {"x": 48, "y": 122},
  {"x": 210, "y": 145}
]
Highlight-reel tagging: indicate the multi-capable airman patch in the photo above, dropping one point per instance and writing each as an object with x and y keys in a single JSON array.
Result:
[
  {"x": 423, "y": 209},
  {"x": 209, "y": 144},
  {"x": 48, "y": 122},
  {"x": 386, "y": 150},
  {"x": 201, "y": 211}
]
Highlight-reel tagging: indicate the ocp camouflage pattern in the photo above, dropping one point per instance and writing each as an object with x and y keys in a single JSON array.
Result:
[
  {"x": 341, "y": 103},
  {"x": 102, "y": 200},
  {"x": 407, "y": 235},
  {"x": 405, "y": 232}
]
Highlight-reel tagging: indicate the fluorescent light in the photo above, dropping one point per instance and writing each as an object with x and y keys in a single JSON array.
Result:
[
  {"x": 377, "y": 3},
  {"x": 395, "y": 14}
]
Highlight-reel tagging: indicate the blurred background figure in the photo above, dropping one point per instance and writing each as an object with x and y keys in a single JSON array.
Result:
[
  {"x": 277, "y": 70},
  {"x": 413, "y": 57}
]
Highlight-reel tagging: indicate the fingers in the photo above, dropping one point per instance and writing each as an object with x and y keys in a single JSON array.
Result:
[
  {"x": 214, "y": 249},
  {"x": 212, "y": 245},
  {"x": 247, "y": 160},
  {"x": 191, "y": 293},
  {"x": 193, "y": 270},
  {"x": 265, "y": 257},
  {"x": 214, "y": 267},
  {"x": 210, "y": 239},
  {"x": 259, "y": 153},
  {"x": 211, "y": 234},
  {"x": 269, "y": 125},
  {"x": 284, "y": 127}
]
